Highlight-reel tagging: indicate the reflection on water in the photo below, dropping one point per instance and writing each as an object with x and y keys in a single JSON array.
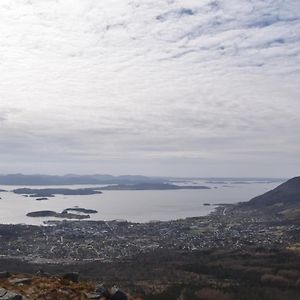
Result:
[{"x": 136, "y": 206}]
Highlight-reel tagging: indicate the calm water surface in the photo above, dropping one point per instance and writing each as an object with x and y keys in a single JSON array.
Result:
[{"x": 136, "y": 206}]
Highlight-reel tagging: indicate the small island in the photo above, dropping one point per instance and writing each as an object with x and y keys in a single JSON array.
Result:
[
  {"x": 80, "y": 210},
  {"x": 62, "y": 215}
]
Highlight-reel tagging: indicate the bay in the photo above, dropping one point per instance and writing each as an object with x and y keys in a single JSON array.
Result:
[{"x": 135, "y": 206}]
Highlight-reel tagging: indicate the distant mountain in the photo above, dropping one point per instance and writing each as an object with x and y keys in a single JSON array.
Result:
[
  {"x": 71, "y": 179},
  {"x": 284, "y": 200}
]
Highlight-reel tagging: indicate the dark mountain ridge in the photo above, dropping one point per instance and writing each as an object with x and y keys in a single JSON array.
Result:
[
  {"x": 283, "y": 201},
  {"x": 72, "y": 179},
  {"x": 286, "y": 194}
]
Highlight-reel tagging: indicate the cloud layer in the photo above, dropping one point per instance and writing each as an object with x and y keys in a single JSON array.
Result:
[{"x": 157, "y": 87}]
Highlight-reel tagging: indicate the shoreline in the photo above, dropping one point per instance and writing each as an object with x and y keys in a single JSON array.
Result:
[
  {"x": 215, "y": 207},
  {"x": 228, "y": 226}
]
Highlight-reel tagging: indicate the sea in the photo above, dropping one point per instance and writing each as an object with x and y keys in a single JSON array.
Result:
[{"x": 134, "y": 206}]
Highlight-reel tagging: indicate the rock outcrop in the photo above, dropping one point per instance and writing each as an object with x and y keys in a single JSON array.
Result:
[{"x": 8, "y": 295}]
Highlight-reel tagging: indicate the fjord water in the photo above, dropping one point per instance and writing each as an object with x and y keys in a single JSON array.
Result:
[{"x": 135, "y": 206}]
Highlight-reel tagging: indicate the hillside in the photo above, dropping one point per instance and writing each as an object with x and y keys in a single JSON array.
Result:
[
  {"x": 164, "y": 275},
  {"x": 285, "y": 199}
]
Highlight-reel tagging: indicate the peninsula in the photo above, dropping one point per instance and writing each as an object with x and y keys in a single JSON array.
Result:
[{"x": 51, "y": 192}]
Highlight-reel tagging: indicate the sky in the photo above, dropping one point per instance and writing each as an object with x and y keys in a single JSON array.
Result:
[{"x": 153, "y": 87}]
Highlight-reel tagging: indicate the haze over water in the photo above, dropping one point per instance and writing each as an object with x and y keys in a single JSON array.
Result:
[{"x": 135, "y": 206}]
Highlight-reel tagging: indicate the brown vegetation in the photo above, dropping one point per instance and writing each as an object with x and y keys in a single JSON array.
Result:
[
  {"x": 46, "y": 288},
  {"x": 174, "y": 275},
  {"x": 275, "y": 280},
  {"x": 210, "y": 294}
]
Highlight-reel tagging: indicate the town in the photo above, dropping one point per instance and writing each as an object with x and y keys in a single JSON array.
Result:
[{"x": 65, "y": 241}]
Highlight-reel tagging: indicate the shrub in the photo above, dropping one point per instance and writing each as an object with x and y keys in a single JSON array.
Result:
[
  {"x": 210, "y": 294},
  {"x": 274, "y": 280},
  {"x": 290, "y": 274}
]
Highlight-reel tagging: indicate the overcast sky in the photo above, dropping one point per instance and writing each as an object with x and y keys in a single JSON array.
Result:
[{"x": 168, "y": 87}]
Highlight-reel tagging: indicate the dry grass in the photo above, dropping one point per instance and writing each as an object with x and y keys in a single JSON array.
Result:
[{"x": 49, "y": 288}]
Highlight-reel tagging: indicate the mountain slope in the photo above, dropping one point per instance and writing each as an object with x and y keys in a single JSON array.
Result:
[
  {"x": 283, "y": 201},
  {"x": 286, "y": 194}
]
